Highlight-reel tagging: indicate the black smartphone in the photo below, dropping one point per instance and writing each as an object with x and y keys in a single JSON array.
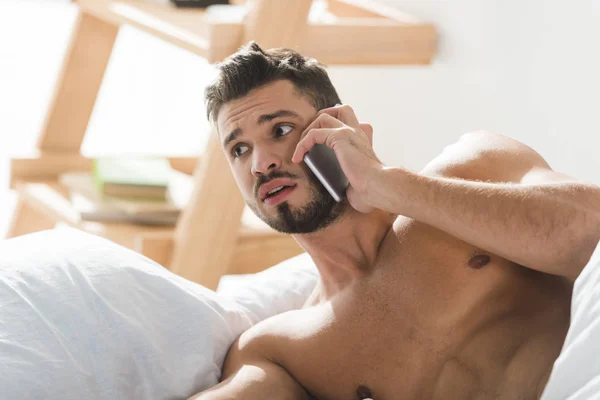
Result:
[{"x": 323, "y": 162}]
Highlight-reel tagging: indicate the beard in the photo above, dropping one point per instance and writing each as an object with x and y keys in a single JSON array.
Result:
[{"x": 319, "y": 212}]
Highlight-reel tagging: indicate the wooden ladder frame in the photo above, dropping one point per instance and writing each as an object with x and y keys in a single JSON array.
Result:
[{"x": 205, "y": 244}]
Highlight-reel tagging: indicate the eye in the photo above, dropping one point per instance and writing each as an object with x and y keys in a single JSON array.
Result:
[
  {"x": 239, "y": 150},
  {"x": 282, "y": 130}
]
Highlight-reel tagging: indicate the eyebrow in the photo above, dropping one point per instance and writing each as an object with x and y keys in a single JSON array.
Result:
[
  {"x": 237, "y": 132},
  {"x": 263, "y": 119}
]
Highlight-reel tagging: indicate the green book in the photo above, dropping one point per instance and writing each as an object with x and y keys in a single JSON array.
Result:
[{"x": 146, "y": 177}]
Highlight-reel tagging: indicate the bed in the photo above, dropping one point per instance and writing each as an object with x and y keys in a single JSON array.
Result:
[{"x": 82, "y": 317}]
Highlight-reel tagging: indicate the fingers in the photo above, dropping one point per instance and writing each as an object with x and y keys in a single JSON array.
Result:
[
  {"x": 343, "y": 113},
  {"x": 314, "y": 136},
  {"x": 368, "y": 130},
  {"x": 329, "y": 123},
  {"x": 323, "y": 121}
]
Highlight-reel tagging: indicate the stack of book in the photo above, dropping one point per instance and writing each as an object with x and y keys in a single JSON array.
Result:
[{"x": 135, "y": 190}]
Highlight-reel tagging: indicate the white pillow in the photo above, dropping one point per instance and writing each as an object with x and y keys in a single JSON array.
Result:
[
  {"x": 576, "y": 372},
  {"x": 84, "y": 318},
  {"x": 281, "y": 288}
]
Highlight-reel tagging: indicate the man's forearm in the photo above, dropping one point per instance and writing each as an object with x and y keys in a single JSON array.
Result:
[
  {"x": 552, "y": 227},
  {"x": 256, "y": 382}
]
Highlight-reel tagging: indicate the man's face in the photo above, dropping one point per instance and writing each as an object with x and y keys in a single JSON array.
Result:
[{"x": 259, "y": 133}]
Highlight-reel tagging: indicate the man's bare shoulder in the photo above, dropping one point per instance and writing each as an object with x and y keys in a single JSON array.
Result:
[
  {"x": 256, "y": 364},
  {"x": 283, "y": 333},
  {"x": 486, "y": 156}
]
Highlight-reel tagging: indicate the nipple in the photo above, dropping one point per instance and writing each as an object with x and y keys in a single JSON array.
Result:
[
  {"x": 364, "y": 393},
  {"x": 479, "y": 261}
]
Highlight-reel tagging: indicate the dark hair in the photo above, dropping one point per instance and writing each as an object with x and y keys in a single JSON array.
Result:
[{"x": 252, "y": 67}]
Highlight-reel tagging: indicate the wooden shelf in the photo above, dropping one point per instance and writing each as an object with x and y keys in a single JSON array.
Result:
[
  {"x": 210, "y": 35},
  {"x": 48, "y": 165},
  {"x": 347, "y": 33},
  {"x": 51, "y": 199},
  {"x": 258, "y": 246}
]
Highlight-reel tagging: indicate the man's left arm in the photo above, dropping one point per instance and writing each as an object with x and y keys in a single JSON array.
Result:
[{"x": 538, "y": 218}]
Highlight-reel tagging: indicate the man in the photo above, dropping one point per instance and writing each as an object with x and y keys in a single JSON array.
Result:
[{"x": 453, "y": 283}]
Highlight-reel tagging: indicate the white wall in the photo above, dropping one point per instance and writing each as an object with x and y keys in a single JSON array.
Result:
[{"x": 527, "y": 69}]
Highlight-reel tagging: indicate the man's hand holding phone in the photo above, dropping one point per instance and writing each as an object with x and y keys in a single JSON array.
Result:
[{"x": 338, "y": 128}]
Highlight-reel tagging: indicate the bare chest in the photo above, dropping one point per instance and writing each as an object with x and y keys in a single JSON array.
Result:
[{"x": 427, "y": 325}]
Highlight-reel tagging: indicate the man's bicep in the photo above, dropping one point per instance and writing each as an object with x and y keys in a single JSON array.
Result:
[
  {"x": 485, "y": 156},
  {"x": 249, "y": 376}
]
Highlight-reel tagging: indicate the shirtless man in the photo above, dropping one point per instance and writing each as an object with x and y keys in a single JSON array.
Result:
[{"x": 451, "y": 283}]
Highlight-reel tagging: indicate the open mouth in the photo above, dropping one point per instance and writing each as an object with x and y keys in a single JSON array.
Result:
[{"x": 278, "y": 194}]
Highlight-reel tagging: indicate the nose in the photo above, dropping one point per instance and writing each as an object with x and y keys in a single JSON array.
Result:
[{"x": 263, "y": 161}]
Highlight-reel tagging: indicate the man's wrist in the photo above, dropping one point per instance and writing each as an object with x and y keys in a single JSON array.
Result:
[{"x": 388, "y": 189}]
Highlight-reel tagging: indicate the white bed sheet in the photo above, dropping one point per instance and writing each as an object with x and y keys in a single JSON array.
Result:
[
  {"x": 576, "y": 372},
  {"x": 84, "y": 318}
]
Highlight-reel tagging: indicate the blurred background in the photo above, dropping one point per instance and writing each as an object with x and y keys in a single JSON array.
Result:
[{"x": 529, "y": 70}]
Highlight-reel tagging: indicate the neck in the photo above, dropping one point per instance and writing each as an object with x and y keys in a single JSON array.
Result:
[{"x": 346, "y": 250}]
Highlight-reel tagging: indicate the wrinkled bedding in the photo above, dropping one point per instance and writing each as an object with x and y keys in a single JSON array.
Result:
[
  {"x": 576, "y": 372},
  {"x": 81, "y": 317}
]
